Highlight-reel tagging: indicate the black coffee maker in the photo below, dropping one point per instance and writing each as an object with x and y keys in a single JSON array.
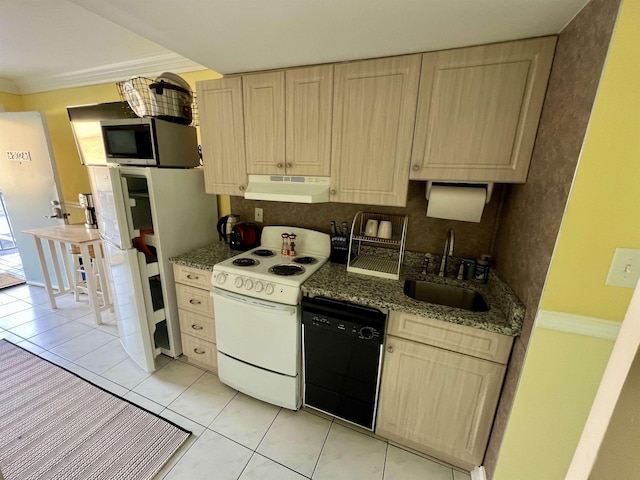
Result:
[{"x": 86, "y": 202}]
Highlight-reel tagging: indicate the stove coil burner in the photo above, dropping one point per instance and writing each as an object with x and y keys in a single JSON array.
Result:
[
  {"x": 263, "y": 252},
  {"x": 245, "y": 262},
  {"x": 287, "y": 270},
  {"x": 305, "y": 260}
]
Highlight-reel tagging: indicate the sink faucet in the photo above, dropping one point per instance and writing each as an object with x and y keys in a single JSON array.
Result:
[{"x": 448, "y": 252}]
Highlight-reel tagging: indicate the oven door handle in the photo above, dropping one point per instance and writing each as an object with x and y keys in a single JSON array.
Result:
[{"x": 254, "y": 303}]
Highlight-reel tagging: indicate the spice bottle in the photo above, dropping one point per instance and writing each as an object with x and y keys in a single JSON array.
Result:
[
  {"x": 481, "y": 273},
  {"x": 292, "y": 244},
  {"x": 285, "y": 244}
]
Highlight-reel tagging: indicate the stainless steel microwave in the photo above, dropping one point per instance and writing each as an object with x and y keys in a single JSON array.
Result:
[{"x": 150, "y": 142}]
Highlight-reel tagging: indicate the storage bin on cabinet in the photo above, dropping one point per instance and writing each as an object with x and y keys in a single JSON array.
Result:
[
  {"x": 440, "y": 387},
  {"x": 195, "y": 311}
]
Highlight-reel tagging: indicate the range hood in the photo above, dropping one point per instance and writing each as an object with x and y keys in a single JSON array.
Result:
[{"x": 282, "y": 188}]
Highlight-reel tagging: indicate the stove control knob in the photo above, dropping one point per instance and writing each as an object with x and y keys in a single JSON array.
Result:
[
  {"x": 221, "y": 278},
  {"x": 268, "y": 289},
  {"x": 248, "y": 284},
  {"x": 259, "y": 286},
  {"x": 366, "y": 332},
  {"x": 239, "y": 282}
]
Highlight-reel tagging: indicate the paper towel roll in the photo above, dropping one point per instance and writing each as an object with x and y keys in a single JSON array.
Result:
[{"x": 456, "y": 203}]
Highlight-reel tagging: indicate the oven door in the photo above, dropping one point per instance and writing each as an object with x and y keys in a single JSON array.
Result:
[{"x": 261, "y": 333}]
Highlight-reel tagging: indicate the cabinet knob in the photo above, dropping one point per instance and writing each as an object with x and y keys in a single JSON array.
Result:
[
  {"x": 196, "y": 327},
  {"x": 332, "y": 192},
  {"x": 415, "y": 167},
  {"x": 390, "y": 349},
  {"x": 199, "y": 351},
  {"x": 241, "y": 187},
  {"x": 195, "y": 302},
  {"x": 279, "y": 165},
  {"x": 289, "y": 164},
  {"x": 192, "y": 277}
]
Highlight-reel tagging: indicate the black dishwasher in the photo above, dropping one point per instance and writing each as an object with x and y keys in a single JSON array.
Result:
[{"x": 342, "y": 350}]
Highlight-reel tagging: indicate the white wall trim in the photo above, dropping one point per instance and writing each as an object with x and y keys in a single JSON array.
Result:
[
  {"x": 8, "y": 86},
  {"x": 578, "y": 324},
  {"x": 147, "y": 66},
  {"x": 478, "y": 473}
]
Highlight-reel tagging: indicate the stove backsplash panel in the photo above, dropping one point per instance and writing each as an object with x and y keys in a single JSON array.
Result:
[{"x": 423, "y": 234}]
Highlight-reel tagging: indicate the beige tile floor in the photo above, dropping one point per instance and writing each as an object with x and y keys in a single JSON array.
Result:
[{"x": 234, "y": 436}]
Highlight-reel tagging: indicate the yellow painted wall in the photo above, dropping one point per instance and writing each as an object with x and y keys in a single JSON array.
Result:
[
  {"x": 559, "y": 381},
  {"x": 73, "y": 175},
  {"x": 562, "y": 371},
  {"x": 604, "y": 207},
  {"x": 11, "y": 102}
]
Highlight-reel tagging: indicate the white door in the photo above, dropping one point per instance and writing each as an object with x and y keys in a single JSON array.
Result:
[
  {"x": 129, "y": 303},
  {"x": 108, "y": 198},
  {"x": 29, "y": 182}
]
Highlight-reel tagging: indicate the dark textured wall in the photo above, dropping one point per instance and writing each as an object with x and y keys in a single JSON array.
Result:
[
  {"x": 423, "y": 234},
  {"x": 531, "y": 215}
]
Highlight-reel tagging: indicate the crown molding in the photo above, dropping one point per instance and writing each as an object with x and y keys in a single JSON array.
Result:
[
  {"x": 8, "y": 86},
  {"x": 147, "y": 66}
]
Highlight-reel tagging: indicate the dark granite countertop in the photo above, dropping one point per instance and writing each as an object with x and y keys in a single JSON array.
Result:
[
  {"x": 505, "y": 315},
  {"x": 206, "y": 257}
]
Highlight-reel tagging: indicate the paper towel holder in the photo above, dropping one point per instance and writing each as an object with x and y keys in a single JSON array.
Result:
[{"x": 487, "y": 185}]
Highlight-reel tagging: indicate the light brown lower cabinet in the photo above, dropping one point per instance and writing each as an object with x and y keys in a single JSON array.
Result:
[
  {"x": 195, "y": 312},
  {"x": 438, "y": 401}
]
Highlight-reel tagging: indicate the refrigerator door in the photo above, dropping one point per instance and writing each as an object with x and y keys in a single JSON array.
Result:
[
  {"x": 130, "y": 305},
  {"x": 109, "y": 201}
]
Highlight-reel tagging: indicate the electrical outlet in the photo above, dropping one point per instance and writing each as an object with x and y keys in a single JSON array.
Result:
[
  {"x": 258, "y": 215},
  {"x": 625, "y": 268}
]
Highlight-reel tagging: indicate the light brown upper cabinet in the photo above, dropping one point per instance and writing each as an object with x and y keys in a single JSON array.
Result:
[
  {"x": 222, "y": 133},
  {"x": 308, "y": 120},
  {"x": 288, "y": 121},
  {"x": 264, "y": 122},
  {"x": 478, "y": 111},
  {"x": 374, "y": 108}
]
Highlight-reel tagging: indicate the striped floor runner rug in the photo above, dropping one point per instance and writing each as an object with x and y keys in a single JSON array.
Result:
[{"x": 55, "y": 425}]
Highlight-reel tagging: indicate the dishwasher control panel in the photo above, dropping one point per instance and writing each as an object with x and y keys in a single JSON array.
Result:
[{"x": 343, "y": 326}]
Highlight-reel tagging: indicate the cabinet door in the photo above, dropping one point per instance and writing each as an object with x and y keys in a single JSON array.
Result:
[
  {"x": 308, "y": 120},
  {"x": 222, "y": 132},
  {"x": 264, "y": 122},
  {"x": 478, "y": 111},
  {"x": 373, "y": 118},
  {"x": 437, "y": 401}
]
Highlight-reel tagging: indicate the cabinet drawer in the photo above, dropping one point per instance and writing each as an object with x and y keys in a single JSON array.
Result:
[
  {"x": 200, "y": 352},
  {"x": 192, "y": 276},
  {"x": 197, "y": 325},
  {"x": 458, "y": 338},
  {"x": 194, "y": 300}
]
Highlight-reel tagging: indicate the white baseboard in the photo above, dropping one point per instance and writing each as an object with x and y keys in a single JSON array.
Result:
[
  {"x": 478, "y": 473},
  {"x": 578, "y": 324}
]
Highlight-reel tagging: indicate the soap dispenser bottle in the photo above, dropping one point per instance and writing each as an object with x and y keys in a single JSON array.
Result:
[{"x": 481, "y": 272}]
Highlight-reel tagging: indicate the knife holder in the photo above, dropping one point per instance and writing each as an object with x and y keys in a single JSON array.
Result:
[{"x": 339, "y": 249}]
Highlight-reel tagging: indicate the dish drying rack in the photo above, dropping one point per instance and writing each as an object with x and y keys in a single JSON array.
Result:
[
  {"x": 384, "y": 265},
  {"x": 149, "y": 98}
]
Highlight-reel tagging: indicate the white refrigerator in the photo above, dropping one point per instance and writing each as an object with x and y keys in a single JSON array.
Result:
[{"x": 145, "y": 216}]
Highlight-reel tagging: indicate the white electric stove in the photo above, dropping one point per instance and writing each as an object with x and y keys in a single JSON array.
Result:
[{"x": 256, "y": 297}]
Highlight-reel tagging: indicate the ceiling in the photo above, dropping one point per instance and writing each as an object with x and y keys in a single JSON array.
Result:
[{"x": 51, "y": 44}]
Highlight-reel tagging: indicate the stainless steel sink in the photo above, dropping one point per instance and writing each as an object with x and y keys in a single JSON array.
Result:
[{"x": 457, "y": 297}]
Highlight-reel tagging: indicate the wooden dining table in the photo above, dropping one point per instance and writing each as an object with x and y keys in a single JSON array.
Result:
[{"x": 60, "y": 240}]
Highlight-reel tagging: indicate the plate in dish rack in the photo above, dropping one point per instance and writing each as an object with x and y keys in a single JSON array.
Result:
[{"x": 142, "y": 103}]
